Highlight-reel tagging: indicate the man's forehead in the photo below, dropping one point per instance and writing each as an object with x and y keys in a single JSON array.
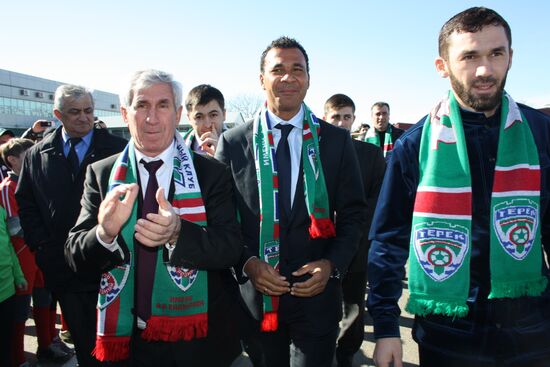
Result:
[
  {"x": 488, "y": 37},
  {"x": 158, "y": 91},
  {"x": 211, "y": 106},
  {"x": 77, "y": 102},
  {"x": 340, "y": 110},
  {"x": 286, "y": 55}
]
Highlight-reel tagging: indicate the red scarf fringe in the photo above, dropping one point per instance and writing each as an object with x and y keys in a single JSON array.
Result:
[
  {"x": 270, "y": 321},
  {"x": 321, "y": 228},
  {"x": 111, "y": 348},
  {"x": 171, "y": 329}
]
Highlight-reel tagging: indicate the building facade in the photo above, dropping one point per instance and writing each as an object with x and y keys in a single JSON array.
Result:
[{"x": 26, "y": 98}]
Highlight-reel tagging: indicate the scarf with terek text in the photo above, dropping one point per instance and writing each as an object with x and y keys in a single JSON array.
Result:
[
  {"x": 439, "y": 276},
  {"x": 315, "y": 194},
  {"x": 179, "y": 296}
]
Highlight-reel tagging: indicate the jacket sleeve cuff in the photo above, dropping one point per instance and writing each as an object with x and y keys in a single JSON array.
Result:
[{"x": 386, "y": 329}]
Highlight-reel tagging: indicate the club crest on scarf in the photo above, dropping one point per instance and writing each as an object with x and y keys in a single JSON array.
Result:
[
  {"x": 271, "y": 251},
  {"x": 312, "y": 157},
  {"x": 110, "y": 287},
  {"x": 515, "y": 224},
  {"x": 183, "y": 278},
  {"x": 440, "y": 248}
]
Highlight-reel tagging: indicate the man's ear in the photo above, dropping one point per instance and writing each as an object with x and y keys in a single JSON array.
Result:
[
  {"x": 124, "y": 113},
  {"x": 57, "y": 114},
  {"x": 11, "y": 160},
  {"x": 441, "y": 67},
  {"x": 179, "y": 111},
  {"x": 262, "y": 81},
  {"x": 511, "y": 54}
]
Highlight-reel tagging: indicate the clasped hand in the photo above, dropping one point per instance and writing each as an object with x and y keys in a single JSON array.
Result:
[
  {"x": 268, "y": 281},
  {"x": 156, "y": 229}
]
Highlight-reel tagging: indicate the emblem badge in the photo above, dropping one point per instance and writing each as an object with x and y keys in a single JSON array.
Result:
[
  {"x": 440, "y": 248},
  {"x": 271, "y": 251},
  {"x": 312, "y": 158},
  {"x": 183, "y": 278},
  {"x": 515, "y": 224},
  {"x": 110, "y": 287}
]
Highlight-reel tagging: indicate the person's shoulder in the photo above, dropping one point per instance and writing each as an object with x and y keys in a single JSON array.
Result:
[
  {"x": 208, "y": 162},
  {"x": 334, "y": 132},
  {"x": 105, "y": 163},
  {"x": 239, "y": 131},
  {"x": 533, "y": 115},
  {"x": 106, "y": 137}
]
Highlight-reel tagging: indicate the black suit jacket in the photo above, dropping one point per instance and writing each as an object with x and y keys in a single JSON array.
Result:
[
  {"x": 214, "y": 248},
  {"x": 372, "y": 166},
  {"x": 346, "y": 199},
  {"x": 49, "y": 203}
]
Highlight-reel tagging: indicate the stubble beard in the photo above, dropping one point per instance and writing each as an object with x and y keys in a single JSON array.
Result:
[{"x": 478, "y": 103}]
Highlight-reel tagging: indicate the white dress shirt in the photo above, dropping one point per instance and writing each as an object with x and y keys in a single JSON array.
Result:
[{"x": 294, "y": 142}]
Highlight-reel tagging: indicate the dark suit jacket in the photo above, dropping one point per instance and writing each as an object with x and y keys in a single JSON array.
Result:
[
  {"x": 372, "y": 166},
  {"x": 215, "y": 248},
  {"x": 49, "y": 203},
  {"x": 345, "y": 196}
]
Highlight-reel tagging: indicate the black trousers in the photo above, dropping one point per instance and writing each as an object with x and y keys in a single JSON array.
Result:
[
  {"x": 79, "y": 312},
  {"x": 7, "y": 328},
  {"x": 350, "y": 340},
  {"x": 306, "y": 336}
]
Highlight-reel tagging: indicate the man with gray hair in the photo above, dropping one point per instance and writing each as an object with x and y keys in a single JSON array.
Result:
[
  {"x": 160, "y": 222},
  {"x": 48, "y": 194}
]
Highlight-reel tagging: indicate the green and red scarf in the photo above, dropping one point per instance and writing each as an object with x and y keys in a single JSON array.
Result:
[
  {"x": 373, "y": 137},
  {"x": 179, "y": 296},
  {"x": 268, "y": 184},
  {"x": 439, "y": 276}
]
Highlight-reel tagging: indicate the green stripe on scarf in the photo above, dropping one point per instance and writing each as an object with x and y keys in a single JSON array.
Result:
[
  {"x": 439, "y": 275},
  {"x": 315, "y": 194},
  {"x": 179, "y": 296},
  {"x": 373, "y": 137}
]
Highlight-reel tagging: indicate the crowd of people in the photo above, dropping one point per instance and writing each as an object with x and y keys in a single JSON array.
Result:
[{"x": 176, "y": 249}]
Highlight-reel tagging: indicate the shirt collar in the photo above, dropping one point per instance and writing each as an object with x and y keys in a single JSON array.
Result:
[
  {"x": 296, "y": 121},
  {"x": 87, "y": 139}
]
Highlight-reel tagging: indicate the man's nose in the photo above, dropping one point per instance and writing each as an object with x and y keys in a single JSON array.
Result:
[
  {"x": 484, "y": 69},
  {"x": 151, "y": 116},
  {"x": 287, "y": 77}
]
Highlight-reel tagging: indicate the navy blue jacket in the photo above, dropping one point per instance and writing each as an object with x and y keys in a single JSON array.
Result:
[{"x": 391, "y": 227}]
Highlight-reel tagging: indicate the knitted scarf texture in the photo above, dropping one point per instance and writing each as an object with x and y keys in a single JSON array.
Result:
[
  {"x": 440, "y": 247},
  {"x": 315, "y": 194},
  {"x": 180, "y": 296}
]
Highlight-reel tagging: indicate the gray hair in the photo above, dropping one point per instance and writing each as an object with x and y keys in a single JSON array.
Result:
[
  {"x": 66, "y": 91},
  {"x": 146, "y": 78}
]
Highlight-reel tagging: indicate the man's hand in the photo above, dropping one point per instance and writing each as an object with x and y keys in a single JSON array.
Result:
[
  {"x": 265, "y": 278},
  {"x": 320, "y": 271},
  {"x": 159, "y": 229},
  {"x": 387, "y": 351},
  {"x": 114, "y": 212},
  {"x": 209, "y": 142},
  {"x": 37, "y": 127},
  {"x": 22, "y": 286}
]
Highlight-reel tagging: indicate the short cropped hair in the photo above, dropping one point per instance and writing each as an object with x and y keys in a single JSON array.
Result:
[
  {"x": 380, "y": 105},
  {"x": 202, "y": 95},
  {"x": 339, "y": 101},
  {"x": 284, "y": 43},
  {"x": 69, "y": 91},
  {"x": 146, "y": 78},
  {"x": 14, "y": 147},
  {"x": 471, "y": 20}
]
